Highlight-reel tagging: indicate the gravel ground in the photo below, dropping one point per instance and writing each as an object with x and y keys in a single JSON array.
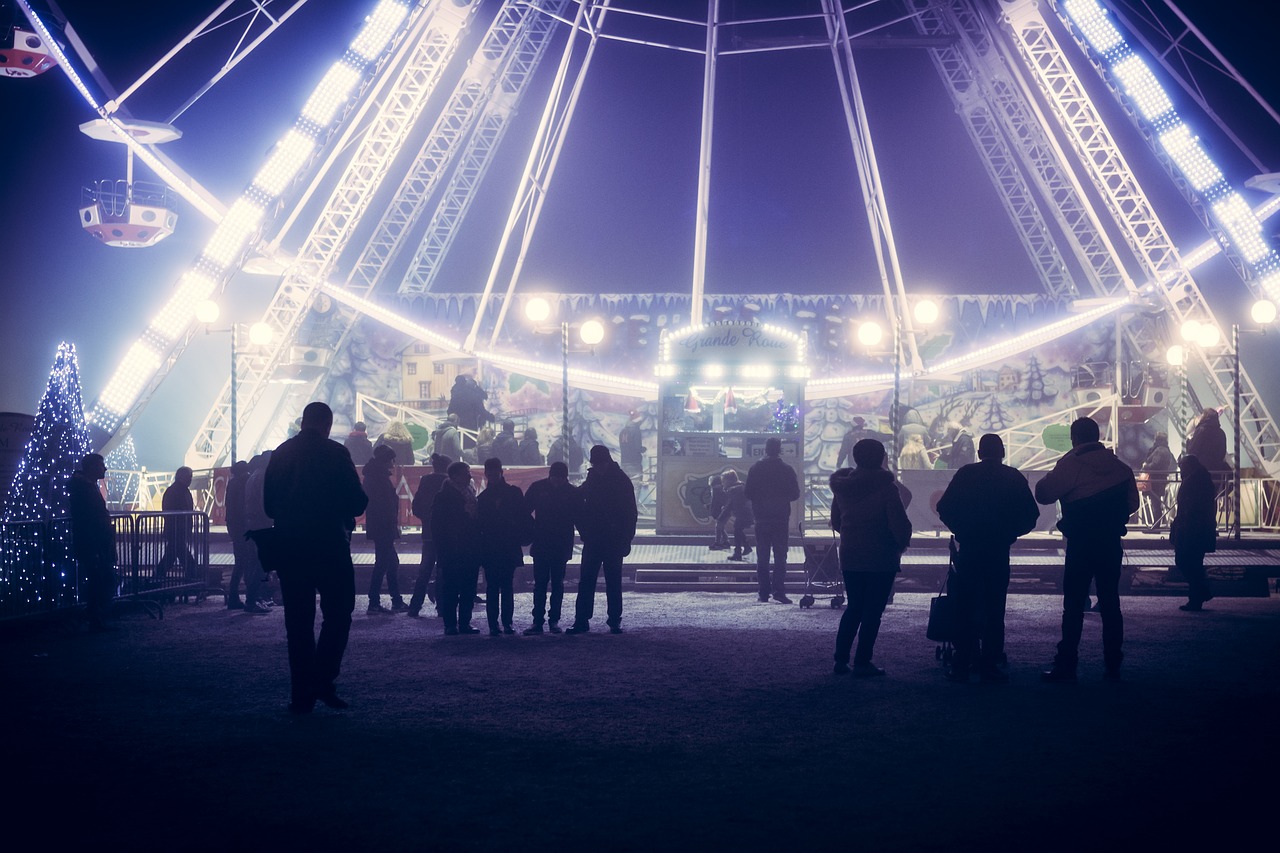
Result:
[{"x": 713, "y": 723}]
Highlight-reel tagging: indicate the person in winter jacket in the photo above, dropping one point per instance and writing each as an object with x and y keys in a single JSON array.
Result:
[
  {"x": 423, "y": 499},
  {"x": 554, "y": 504},
  {"x": 93, "y": 539},
  {"x": 455, "y": 528},
  {"x": 1156, "y": 467},
  {"x": 505, "y": 527},
  {"x": 397, "y": 437},
  {"x": 570, "y": 453},
  {"x": 530, "y": 454},
  {"x": 1208, "y": 443},
  {"x": 446, "y": 439},
  {"x": 771, "y": 487},
  {"x": 987, "y": 506},
  {"x": 382, "y": 527},
  {"x": 506, "y": 447},
  {"x": 607, "y": 524},
  {"x": 738, "y": 510},
  {"x": 867, "y": 510},
  {"x": 1194, "y": 531},
  {"x": 358, "y": 445},
  {"x": 715, "y": 484},
  {"x": 914, "y": 455},
  {"x": 1097, "y": 493}
]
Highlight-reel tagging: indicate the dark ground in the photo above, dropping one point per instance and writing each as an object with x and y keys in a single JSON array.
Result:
[{"x": 713, "y": 723}]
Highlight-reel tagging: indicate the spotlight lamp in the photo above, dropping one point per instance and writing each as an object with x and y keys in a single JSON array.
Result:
[
  {"x": 1175, "y": 355},
  {"x": 870, "y": 333},
  {"x": 1263, "y": 312},
  {"x": 207, "y": 311},
  {"x": 592, "y": 332},
  {"x": 926, "y": 312},
  {"x": 1209, "y": 335},
  {"x": 537, "y": 309},
  {"x": 260, "y": 334},
  {"x": 1190, "y": 331}
]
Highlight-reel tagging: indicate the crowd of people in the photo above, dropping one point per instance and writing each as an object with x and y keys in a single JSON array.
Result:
[{"x": 293, "y": 511}]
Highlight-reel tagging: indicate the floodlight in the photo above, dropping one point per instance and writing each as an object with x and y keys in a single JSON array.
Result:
[
  {"x": 290, "y": 153},
  {"x": 1209, "y": 335},
  {"x": 1190, "y": 330},
  {"x": 537, "y": 309},
  {"x": 926, "y": 312},
  {"x": 261, "y": 334},
  {"x": 870, "y": 333},
  {"x": 207, "y": 311},
  {"x": 1176, "y": 355},
  {"x": 378, "y": 29},
  {"x": 1263, "y": 312},
  {"x": 592, "y": 332},
  {"x": 332, "y": 92}
]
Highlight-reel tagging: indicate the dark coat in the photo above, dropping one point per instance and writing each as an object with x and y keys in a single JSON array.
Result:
[
  {"x": 866, "y": 508},
  {"x": 382, "y": 516},
  {"x": 455, "y": 531},
  {"x": 554, "y": 506},
  {"x": 428, "y": 487},
  {"x": 311, "y": 488},
  {"x": 1097, "y": 491},
  {"x": 505, "y": 525},
  {"x": 234, "y": 503},
  {"x": 359, "y": 446},
  {"x": 608, "y": 516},
  {"x": 506, "y": 448},
  {"x": 1195, "y": 527},
  {"x": 403, "y": 449},
  {"x": 1208, "y": 443},
  {"x": 631, "y": 444},
  {"x": 961, "y": 452},
  {"x": 771, "y": 487},
  {"x": 92, "y": 536},
  {"x": 1159, "y": 463},
  {"x": 988, "y": 503},
  {"x": 737, "y": 507},
  {"x": 530, "y": 454},
  {"x": 572, "y": 458}
]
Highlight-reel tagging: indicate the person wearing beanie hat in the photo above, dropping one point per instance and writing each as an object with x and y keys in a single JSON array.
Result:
[
  {"x": 987, "y": 506},
  {"x": 607, "y": 524}
]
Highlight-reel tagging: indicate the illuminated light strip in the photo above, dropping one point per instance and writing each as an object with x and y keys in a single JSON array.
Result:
[
  {"x": 379, "y": 27},
  {"x": 177, "y": 312},
  {"x": 332, "y": 92},
  {"x": 232, "y": 235},
  {"x": 391, "y": 318},
  {"x": 289, "y": 156},
  {"x": 801, "y": 343},
  {"x": 138, "y": 366},
  {"x": 1232, "y": 213}
]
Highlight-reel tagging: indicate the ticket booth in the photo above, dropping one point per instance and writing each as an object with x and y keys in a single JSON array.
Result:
[{"x": 725, "y": 389}]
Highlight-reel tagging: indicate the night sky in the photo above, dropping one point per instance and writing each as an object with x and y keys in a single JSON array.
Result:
[{"x": 784, "y": 214}]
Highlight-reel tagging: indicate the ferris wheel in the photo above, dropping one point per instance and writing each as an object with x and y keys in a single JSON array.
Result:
[{"x": 1023, "y": 76}]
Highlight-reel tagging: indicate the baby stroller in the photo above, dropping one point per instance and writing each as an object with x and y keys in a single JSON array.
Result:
[{"x": 822, "y": 574}]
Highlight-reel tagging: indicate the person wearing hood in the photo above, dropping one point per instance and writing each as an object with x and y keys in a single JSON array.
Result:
[
  {"x": 1194, "y": 531},
  {"x": 1098, "y": 493},
  {"x": 607, "y": 524},
  {"x": 382, "y": 527},
  {"x": 358, "y": 445},
  {"x": 1208, "y": 442},
  {"x": 987, "y": 506},
  {"x": 455, "y": 528},
  {"x": 530, "y": 454},
  {"x": 1156, "y": 467},
  {"x": 867, "y": 510}
]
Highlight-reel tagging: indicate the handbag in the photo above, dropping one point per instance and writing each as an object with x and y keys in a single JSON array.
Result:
[
  {"x": 272, "y": 550},
  {"x": 942, "y": 616}
]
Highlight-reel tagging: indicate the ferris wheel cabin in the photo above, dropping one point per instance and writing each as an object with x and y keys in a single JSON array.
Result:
[{"x": 23, "y": 54}]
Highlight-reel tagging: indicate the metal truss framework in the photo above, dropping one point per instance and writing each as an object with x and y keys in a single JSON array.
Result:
[{"x": 1134, "y": 215}]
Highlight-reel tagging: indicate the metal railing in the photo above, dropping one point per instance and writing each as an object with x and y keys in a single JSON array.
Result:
[{"x": 159, "y": 555}]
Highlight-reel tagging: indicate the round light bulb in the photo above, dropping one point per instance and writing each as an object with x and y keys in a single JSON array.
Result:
[
  {"x": 1175, "y": 355},
  {"x": 207, "y": 311},
  {"x": 261, "y": 334},
  {"x": 592, "y": 332},
  {"x": 1263, "y": 312},
  {"x": 870, "y": 333},
  {"x": 1190, "y": 330},
  {"x": 1209, "y": 335},
  {"x": 537, "y": 309},
  {"x": 926, "y": 312}
]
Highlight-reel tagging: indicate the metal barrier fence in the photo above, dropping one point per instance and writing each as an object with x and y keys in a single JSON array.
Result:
[{"x": 158, "y": 555}]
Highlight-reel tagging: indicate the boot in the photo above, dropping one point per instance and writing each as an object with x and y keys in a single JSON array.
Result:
[
  {"x": 746, "y": 550},
  {"x": 736, "y": 556}
]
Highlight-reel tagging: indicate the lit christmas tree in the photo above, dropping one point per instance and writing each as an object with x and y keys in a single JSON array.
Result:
[
  {"x": 123, "y": 475},
  {"x": 786, "y": 417},
  {"x": 42, "y": 577}
]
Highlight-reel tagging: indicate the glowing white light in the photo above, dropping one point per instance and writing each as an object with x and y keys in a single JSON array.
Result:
[
  {"x": 1190, "y": 157},
  {"x": 290, "y": 154},
  {"x": 207, "y": 311},
  {"x": 1209, "y": 335},
  {"x": 537, "y": 309},
  {"x": 926, "y": 312},
  {"x": 260, "y": 334},
  {"x": 1143, "y": 87},
  {"x": 592, "y": 332},
  {"x": 333, "y": 91},
  {"x": 1190, "y": 330},
  {"x": 713, "y": 371},
  {"x": 757, "y": 371},
  {"x": 1234, "y": 215},
  {"x": 378, "y": 29},
  {"x": 870, "y": 333},
  {"x": 176, "y": 315},
  {"x": 1093, "y": 23},
  {"x": 1175, "y": 355},
  {"x": 139, "y": 365},
  {"x": 232, "y": 235}
]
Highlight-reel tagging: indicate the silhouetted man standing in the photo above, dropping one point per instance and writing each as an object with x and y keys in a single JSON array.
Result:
[
  {"x": 987, "y": 505},
  {"x": 607, "y": 524},
  {"x": 455, "y": 527},
  {"x": 423, "y": 499},
  {"x": 771, "y": 487},
  {"x": 505, "y": 527},
  {"x": 93, "y": 539},
  {"x": 1098, "y": 493},
  {"x": 554, "y": 503},
  {"x": 1194, "y": 531},
  {"x": 177, "y": 528},
  {"x": 313, "y": 492}
]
